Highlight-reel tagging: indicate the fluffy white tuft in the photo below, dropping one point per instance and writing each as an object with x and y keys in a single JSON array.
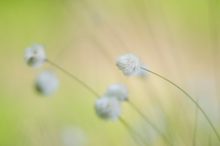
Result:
[
  {"x": 129, "y": 64},
  {"x": 108, "y": 108},
  {"x": 35, "y": 56},
  {"x": 47, "y": 83},
  {"x": 118, "y": 91}
]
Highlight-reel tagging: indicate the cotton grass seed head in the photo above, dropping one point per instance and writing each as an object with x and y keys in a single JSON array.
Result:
[
  {"x": 47, "y": 83},
  {"x": 35, "y": 56},
  {"x": 118, "y": 91},
  {"x": 129, "y": 64},
  {"x": 108, "y": 108}
]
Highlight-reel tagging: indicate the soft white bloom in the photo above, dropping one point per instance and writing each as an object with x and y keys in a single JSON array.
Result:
[
  {"x": 47, "y": 83},
  {"x": 129, "y": 64},
  {"x": 118, "y": 91},
  {"x": 73, "y": 136},
  {"x": 108, "y": 108},
  {"x": 35, "y": 56}
]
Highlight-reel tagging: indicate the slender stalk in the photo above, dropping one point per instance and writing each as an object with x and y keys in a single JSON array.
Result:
[
  {"x": 149, "y": 122},
  {"x": 195, "y": 127},
  {"x": 74, "y": 78},
  {"x": 90, "y": 89},
  {"x": 190, "y": 98}
]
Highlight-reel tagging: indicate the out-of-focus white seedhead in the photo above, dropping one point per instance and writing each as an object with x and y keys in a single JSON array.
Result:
[
  {"x": 35, "y": 56},
  {"x": 47, "y": 83},
  {"x": 108, "y": 108},
  {"x": 118, "y": 91},
  {"x": 130, "y": 64}
]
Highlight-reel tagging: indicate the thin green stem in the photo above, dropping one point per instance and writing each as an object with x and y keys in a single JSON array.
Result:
[
  {"x": 195, "y": 127},
  {"x": 189, "y": 97},
  {"x": 96, "y": 94},
  {"x": 149, "y": 122},
  {"x": 74, "y": 77}
]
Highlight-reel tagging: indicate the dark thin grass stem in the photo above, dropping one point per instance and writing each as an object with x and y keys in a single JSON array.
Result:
[
  {"x": 189, "y": 97},
  {"x": 129, "y": 128},
  {"x": 195, "y": 127},
  {"x": 149, "y": 122}
]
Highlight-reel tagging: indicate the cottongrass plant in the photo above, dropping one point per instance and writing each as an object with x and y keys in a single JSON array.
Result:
[
  {"x": 139, "y": 68},
  {"x": 106, "y": 107},
  {"x": 130, "y": 64},
  {"x": 47, "y": 81},
  {"x": 119, "y": 92},
  {"x": 102, "y": 103}
]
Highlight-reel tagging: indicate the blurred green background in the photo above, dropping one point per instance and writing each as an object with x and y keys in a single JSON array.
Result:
[{"x": 177, "y": 38}]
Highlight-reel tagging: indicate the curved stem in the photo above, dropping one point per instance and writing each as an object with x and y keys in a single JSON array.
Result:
[
  {"x": 96, "y": 94},
  {"x": 189, "y": 97},
  {"x": 149, "y": 122},
  {"x": 74, "y": 77},
  {"x": 195, "y": 127}
]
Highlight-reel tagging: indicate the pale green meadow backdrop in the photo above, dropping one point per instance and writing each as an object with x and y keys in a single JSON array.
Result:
[{"x": 176, "y": 38}]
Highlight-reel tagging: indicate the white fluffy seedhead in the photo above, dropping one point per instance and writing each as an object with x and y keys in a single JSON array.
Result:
[
  {"x": 129, "y": 64},
  {"x": 118, "y": 91},
  {"x": 47, "y": 83},
  {"x": 35, "y": 56},
  {"x": 108, "y": 108}
]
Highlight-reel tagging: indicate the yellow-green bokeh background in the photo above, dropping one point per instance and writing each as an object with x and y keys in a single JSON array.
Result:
[{"x": 177, "y": 38}]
